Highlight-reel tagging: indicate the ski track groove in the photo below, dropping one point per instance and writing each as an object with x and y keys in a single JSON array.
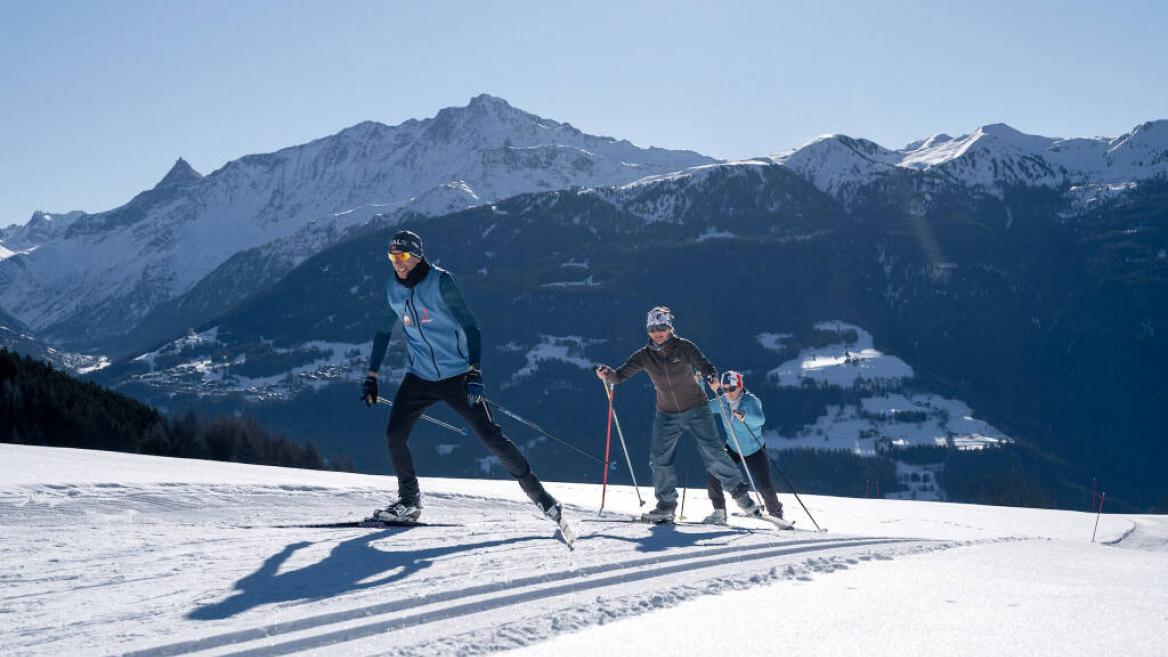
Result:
[
  {"x": 534, "y": 629},
  {"x": 1123, "y": 537},
  {"x": 639, "y": 569}
]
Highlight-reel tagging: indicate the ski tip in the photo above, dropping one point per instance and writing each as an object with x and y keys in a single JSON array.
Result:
[{"x": 568, "y": 537}]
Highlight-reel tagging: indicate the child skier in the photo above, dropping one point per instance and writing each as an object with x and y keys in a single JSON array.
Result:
[{"x": 742, "y": 419}]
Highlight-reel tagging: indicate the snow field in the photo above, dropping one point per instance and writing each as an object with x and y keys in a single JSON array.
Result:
[{"x": 107, "y": 553}]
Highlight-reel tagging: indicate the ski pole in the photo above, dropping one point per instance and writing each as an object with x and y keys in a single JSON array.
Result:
[
  {"x": 540, "y": 429},
  {"x": 607, "y": 445},
  {"x": 780, "y": 471},
  {"x": 383, "y": 400},
  {"x": 685, "y": 484},
  {"x": 624, "y": 447}
]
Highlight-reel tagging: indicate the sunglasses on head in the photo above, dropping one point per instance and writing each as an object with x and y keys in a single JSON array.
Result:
[
  {"x": 400, "y": 256},
  {"x": 659, "y": 328}
]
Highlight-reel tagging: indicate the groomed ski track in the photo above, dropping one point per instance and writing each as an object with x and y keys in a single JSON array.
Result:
[{"x": 155, "y": 563}]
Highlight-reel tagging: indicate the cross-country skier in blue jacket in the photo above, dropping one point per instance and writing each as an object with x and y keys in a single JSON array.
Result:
[
  {"x": 742, "y": 420},
  {"x": 443, "y": 347}
]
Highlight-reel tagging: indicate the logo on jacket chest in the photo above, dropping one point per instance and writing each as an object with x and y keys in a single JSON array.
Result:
[{"x": 424, "y": 317}]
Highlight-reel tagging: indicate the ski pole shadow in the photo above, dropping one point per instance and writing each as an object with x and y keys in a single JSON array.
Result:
[
  {"x": 664, "y": 537},
  {"x": 348, "y": 567}
]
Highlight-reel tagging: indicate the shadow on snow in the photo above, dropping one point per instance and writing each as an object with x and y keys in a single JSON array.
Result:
[
  {"x": 349, "y": 567},
  {"x": 664, "y": 537}
]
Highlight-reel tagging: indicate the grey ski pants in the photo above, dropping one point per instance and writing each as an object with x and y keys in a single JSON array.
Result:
[{"x": 667, "y": 431}]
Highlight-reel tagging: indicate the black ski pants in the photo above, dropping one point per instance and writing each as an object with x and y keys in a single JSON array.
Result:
[
  {"x": 760, "y": 469},
  {"x": 414, "y": 396}
]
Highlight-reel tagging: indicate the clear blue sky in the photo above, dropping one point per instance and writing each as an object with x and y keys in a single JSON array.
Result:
[{"x": 97, "y": 99}]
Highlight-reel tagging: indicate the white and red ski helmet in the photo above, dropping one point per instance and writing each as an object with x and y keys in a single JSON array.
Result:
[{"x": 732, "y": 379}]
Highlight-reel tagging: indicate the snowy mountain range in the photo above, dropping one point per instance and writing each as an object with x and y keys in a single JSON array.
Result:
[
  {"x": 195, "y": 245},
  {"x": 83, "y": 279},
  {"x": 990, "y": 157}
]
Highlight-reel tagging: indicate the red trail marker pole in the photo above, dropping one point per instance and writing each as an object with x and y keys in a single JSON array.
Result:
[
  {"x": 607, "y": 445},
  {"x": 1098, "y": 513}
]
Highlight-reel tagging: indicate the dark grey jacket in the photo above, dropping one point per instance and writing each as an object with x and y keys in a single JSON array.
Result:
[{"x": 671, "y": 367}]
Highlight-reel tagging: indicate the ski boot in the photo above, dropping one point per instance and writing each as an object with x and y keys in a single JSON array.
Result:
[
  {"x": 716, "y": 517},
  {"x": 662, "y": 514},
  {"x": 568, "y": 531},
  {"x": 398, "y": 512},
  {"x": 749, "y": 507},
  {"x": 776, "y": 518}
]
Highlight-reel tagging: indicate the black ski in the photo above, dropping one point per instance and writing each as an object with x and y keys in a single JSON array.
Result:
[
  {"x": 367, "y": 524},
  {"x": 779, "y": 523}
]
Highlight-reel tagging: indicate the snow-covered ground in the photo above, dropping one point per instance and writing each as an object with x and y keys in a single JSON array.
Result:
[
  {"x": 118, "y": 554},
  {"x": 194, "y": 367},
  {"x": 844, "y": 364},
  {"x": 566, "y": 349},
  {"x": 886, "y": 419}
]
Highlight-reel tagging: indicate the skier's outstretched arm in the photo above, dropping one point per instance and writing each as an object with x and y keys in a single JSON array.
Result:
[
  {"x": 457, "y": 304},
  {"x": 381, "y": 340},
  {"x": 370, "y": 392},
  {"x": 625, "y": 372}
]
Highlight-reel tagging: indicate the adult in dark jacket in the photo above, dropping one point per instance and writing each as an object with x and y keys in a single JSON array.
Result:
[
  {"x": 682, "y": 406},
  {"x": 443, "y": 349}
]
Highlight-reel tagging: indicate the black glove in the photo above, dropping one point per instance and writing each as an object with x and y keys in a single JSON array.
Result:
[
  {"x": 369, "y": 393},
  {"x": 475, "y": 390}
]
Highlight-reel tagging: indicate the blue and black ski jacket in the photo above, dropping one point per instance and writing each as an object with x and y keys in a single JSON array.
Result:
[{"x": 442, "y": 337}]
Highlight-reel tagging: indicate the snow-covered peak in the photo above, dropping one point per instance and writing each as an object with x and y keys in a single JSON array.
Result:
[
  {"x": 928, "y": 142},
  {"x": 994, "y": 138},
  {"x": 489, "y": 120},
  {"x": 486, "y": 103},
  {"x": 40, "y": 228},
  {"x": 838, "y": 163},
  {"x": 182, "y": 173},
  {"x": 1010, "y": 136},
  {"x": 1143, "y": 149}
]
